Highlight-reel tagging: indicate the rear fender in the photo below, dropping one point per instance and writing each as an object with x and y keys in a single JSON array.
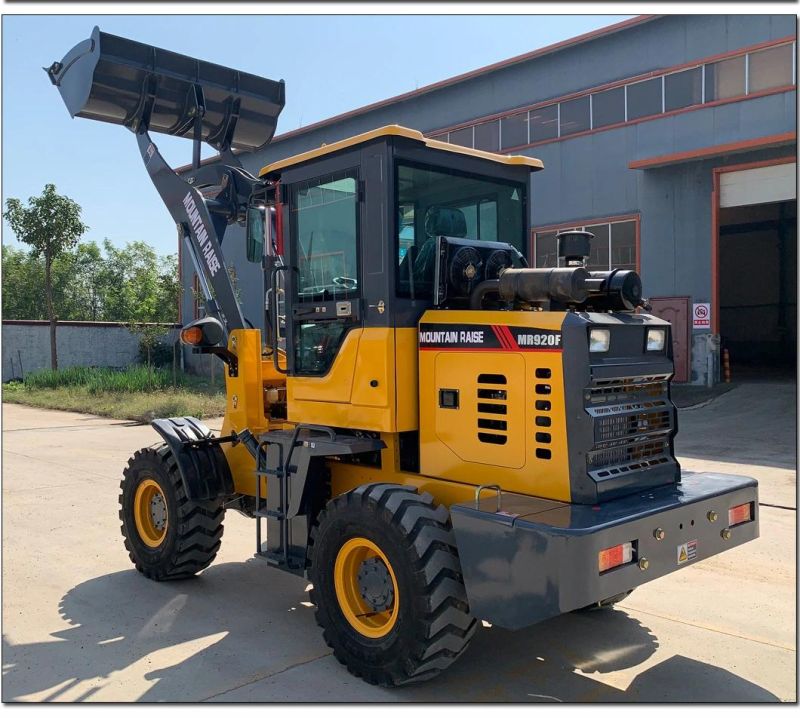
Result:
[{"x": 202, "y": 464}]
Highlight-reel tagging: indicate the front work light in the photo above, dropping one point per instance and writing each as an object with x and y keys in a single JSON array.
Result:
[
  {"x": 656, "y": 339},
  {"x": 599, "y": 340}
]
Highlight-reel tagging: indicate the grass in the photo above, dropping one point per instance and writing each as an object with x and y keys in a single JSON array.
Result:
[{"x": 133, "y": 393}]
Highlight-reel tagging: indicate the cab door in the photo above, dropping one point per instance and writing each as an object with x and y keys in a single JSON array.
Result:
[{"x": 324, "y": 282}]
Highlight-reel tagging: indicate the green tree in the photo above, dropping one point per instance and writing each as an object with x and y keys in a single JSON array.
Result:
[
  {"x": 142, "y": 290},
  {"x": 84, "y": 293},
  {"x": 23, "y": 285},
  {"x": 51, "y": 224},
  {"x": 139, "y": 285}
]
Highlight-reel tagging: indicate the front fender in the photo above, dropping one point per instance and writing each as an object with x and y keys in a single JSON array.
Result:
[{"x": 202, "y": 464}]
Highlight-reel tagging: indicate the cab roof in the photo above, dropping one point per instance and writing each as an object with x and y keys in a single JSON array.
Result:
[{"x": 398, "y": 131}]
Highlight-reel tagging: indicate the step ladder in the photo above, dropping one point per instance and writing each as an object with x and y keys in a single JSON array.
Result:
[{"x": 292, "y": 463}]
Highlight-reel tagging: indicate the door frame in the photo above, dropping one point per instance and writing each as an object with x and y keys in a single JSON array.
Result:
[
  {"x": 688, "y": 364},
  {"x": 342, "y": 163},
  {"x": 715, "y": 191}
]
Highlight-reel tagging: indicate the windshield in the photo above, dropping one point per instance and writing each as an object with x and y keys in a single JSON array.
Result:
[{"x": 433, "y": 201}]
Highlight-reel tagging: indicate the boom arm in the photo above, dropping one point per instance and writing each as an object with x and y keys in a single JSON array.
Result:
[
  {"x": 199, "y": 230},
  {"x": 146, "y": 89}
]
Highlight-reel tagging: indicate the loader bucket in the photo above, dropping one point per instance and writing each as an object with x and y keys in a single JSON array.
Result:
[{"x": 113, "y": 79}]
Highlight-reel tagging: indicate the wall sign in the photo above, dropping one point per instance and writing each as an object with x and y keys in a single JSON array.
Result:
[{"x": 701, "y": 315}]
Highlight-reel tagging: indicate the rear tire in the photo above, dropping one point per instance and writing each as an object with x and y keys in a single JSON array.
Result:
[
  {"x": 167, "y": 535},
  {"x": 422, "y": 622}
]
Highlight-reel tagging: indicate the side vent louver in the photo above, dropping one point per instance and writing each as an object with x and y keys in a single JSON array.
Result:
[
  {"x": 542, "y": 418},
  {"x": 492, "y": 407}
]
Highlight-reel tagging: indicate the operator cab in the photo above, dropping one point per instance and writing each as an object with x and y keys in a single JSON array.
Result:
[{"x": 360, "y": 221}]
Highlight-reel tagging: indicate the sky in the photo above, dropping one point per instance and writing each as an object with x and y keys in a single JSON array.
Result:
[{"x": 331, "y": 64}]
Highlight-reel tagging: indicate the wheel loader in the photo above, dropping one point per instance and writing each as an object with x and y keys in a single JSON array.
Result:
[{"x": 429, "y": 430}]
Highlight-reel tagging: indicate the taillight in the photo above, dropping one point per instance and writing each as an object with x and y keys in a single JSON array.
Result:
[
  {"x": 739, "y": 514},
  {"x": 615, "y": 556}
]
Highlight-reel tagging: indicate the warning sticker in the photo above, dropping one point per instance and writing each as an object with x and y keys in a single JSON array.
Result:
[
  {"x": 701, "y": 315},
  {"x": 687, "y": 552}
]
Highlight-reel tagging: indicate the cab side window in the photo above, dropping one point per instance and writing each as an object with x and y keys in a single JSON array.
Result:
[
  {"x": 325, "y": 223},
  {"x": 325, "y": 215}
]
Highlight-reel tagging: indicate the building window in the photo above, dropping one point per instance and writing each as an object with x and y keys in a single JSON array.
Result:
[
  {"x": 487, "y": 136},
  {"x": 574, "y": 116},
  {"x": 770, "y": 68},
  {"x": 546, "y": 250},
  {"x": 725, "y": 79},
  {"x": 608, "y": 108},
  {"x": 441, "y": 138},
  {"x": 623, "y": 245},
  {"x": 544, "y": 123},
  {"x": 644, "y": 98},
  {"x": 613, "y": 246},
  {"x": 683, "y": 89},
  {"x": 729, "y": 79},
  {"x": 462, "y": 137},
  {"x": 598, "y": 255},
  {"x": 514, "y": 130}
]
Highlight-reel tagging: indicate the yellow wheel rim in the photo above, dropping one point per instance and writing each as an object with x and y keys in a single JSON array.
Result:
[
  {"x": 150, "y": 513},
  {"x": 350, "y": 562}
]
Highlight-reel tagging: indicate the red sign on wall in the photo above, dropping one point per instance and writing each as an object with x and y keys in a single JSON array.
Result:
[{"x": 701, "y": 315}]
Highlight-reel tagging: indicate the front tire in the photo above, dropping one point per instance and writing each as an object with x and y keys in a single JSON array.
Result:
[
  {"x": 167, "y": 535},
  {"x": 387, "y": 584}
]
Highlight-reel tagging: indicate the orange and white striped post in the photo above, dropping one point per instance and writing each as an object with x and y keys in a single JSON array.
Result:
[{"x": 726, "y": 365}]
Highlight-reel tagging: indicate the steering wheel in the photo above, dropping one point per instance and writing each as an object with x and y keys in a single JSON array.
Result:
[{"x": 346, "y": 282}]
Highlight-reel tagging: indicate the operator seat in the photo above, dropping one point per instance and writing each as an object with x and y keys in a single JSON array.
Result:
[{"x": 447, "y": 221}]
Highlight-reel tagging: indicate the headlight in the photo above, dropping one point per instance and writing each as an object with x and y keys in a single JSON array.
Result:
[
  {"x": 656, "y": 339},
  {"x": 599, "y": 340}
]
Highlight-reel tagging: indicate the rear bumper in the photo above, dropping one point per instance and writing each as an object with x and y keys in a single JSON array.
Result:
[{"x": 534, "y": 559}]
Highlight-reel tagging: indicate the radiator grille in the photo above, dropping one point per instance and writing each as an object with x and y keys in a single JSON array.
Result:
[
  {"x": 613, "y": 391},
  {"x": 634, "y": 456},
  {"x": 622, "y": 426},
  {"x": 632, "y": 420}
]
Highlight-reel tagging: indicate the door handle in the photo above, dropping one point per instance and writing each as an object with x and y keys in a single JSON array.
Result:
[{"x": 276, "y": 319}]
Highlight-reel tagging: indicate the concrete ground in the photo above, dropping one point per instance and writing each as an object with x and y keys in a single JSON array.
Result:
[{"x": 80, "y": 624}]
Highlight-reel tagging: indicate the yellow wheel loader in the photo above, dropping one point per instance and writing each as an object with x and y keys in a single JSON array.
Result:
[{"x": 428, "y": 429}]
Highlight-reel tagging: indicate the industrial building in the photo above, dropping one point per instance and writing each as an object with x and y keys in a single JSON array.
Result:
[{"x": 671, "y": 138}]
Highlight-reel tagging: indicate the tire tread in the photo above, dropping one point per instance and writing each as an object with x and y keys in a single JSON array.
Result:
[
  {"x": 445, "y": 624},
  {"x": 199, "y": 523}
]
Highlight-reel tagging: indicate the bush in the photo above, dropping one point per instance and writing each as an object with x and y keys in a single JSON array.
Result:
[{"x": 160, "y": 354}]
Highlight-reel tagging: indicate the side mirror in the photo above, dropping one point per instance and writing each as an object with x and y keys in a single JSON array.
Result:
[{"x": 255, "y": 233}]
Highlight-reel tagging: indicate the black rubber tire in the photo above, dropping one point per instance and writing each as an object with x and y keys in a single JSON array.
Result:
[
  {"x": 434, "y": 625},
  {"x": 606, "y": 602},
  {"x": 194, "y": 528}
]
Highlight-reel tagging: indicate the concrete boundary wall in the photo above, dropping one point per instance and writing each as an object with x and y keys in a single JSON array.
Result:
[{"x": 26, "y": 345}]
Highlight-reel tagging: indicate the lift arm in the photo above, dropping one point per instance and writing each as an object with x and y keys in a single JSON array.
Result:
[
  {"x": 201, "y": 232},
  {"x": 147, "y": 89}
]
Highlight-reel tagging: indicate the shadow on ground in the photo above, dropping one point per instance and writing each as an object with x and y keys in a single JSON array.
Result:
[
  {"x": 241, "y": 625},
  {"x": 755, "y": 423}
]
